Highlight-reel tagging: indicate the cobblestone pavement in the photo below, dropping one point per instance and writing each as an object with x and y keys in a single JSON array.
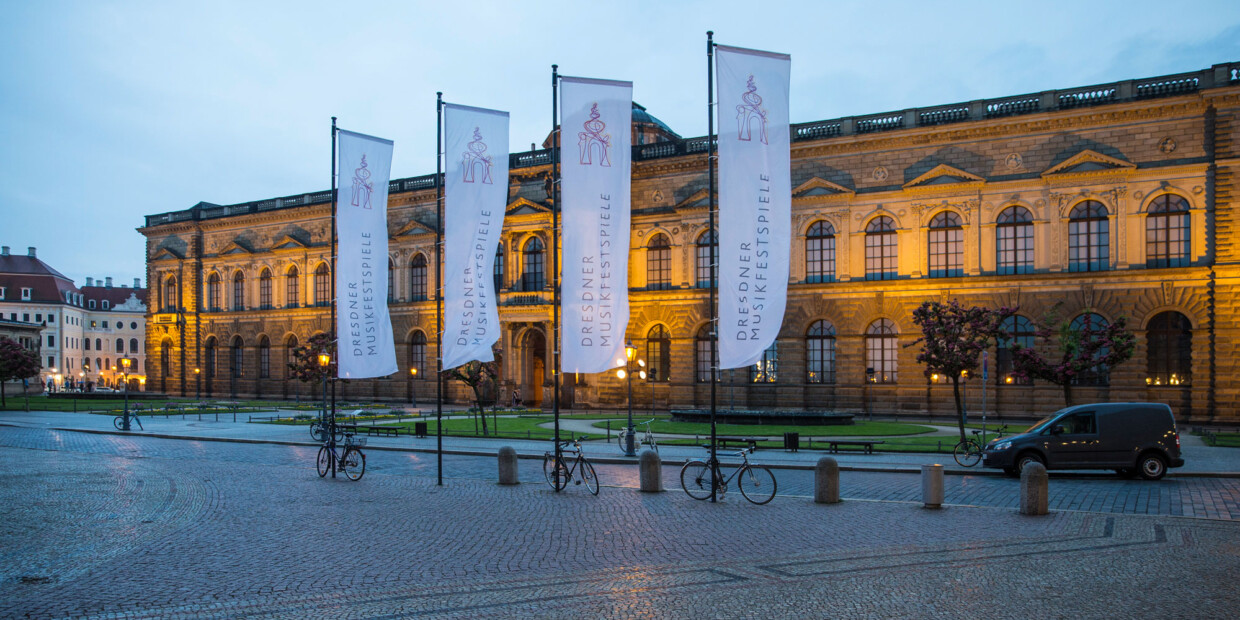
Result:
[{"x": 114, "y": 526}]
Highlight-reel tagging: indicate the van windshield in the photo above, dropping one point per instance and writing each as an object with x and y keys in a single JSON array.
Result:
[{"x": 1041, "y": 424}]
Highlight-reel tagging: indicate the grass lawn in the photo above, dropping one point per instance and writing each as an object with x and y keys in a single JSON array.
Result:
[
  {"x": 1226, "y": 440},
  {"x": 520, "y": 427},
  {"x": 860, "y": 429}
]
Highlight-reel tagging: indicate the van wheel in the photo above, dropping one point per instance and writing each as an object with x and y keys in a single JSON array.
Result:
[
  {"x": 1152, "y": 466},
  {"x": 1126, "y": 472},
  {"x": 1027, "y": 458}
]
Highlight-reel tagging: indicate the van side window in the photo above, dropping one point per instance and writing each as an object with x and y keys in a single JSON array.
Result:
[{"x": 1081, "y": 423}]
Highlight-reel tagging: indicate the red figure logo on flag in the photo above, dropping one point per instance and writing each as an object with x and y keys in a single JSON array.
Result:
[
  {"x": 477, "y": 156},
  {"x": 362, "y": 186},
  {"x": 592, "y": 138},
  {"x": 750, "y": 111}
]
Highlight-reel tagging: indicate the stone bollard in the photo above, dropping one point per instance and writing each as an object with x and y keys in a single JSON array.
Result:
[
  {"x": 932, "y": 485},
  {"x": 508, "y": 466},
  {"x": 1033, "y": 495},
  {"x": 650, "y": 470},
  {"x": 827, "y": 481}
]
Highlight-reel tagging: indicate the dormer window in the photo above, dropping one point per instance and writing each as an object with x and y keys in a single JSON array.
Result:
[
  {"x": 2, "y": 292},
  {"x": 91, "y": 303},
  {"x": 105, "y": 304},
  {"x": 25, "y": 293}
]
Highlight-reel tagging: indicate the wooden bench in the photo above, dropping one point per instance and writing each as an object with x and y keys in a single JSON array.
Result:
[
  {"x": 835, "y": 444},
  {"x": 748, "y": 442},
  {"x": 371, "y": 431}
]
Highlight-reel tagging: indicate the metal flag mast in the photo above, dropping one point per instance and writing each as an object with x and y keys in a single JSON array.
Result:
[
  {"x": 439, "y": 284},
  {"x": 714, "y": 246},
  {"x": 331, "y": 419},
  {"x": 555, "y": 263}
]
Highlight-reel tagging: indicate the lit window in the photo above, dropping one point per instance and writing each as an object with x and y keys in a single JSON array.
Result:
[
  {"x": 417, "y": 278},
  {"x": 946, "y": 244},
  {"x": 880, "y": 249},
  {"x": 1014, "y": 241},
  {"x": 704, "y": 271},
  {"x": 1088, "y": 237},
  {"x": 766, "y": 370},
  {"x": 820, "y": 353},
  {"x": 658, "y": 354},
  {"x": 880, "y": 351},
  {"x": 532, "y": 271},
  {"x": 659, "y": 263},
  {"x": 820, "y": 253},
  {"x": 1167, "y": 232},
  {"x": 1170, "y": 338}
]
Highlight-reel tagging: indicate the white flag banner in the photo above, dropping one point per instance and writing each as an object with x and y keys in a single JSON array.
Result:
[
  {"x": 755, "y": 201},
  {"x": 595, "y": 184},
  {"x": 476, "y": 185},
  {"x": 364, "y": 346}
]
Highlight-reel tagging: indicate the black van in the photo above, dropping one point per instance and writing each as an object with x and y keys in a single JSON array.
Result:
[{"x": 1127, "y": 437}]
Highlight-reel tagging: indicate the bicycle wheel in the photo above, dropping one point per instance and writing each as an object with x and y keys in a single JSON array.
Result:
[
  {"x": 557, "y": 474},
  {"x": 654, "y": 445},
  {"x": 324, "y": 461},
  {"x": 118, "y": 423},
  {"x": 588, "y": 476},
  {"x": 695, "y": 479},
  {"x": 354, "y": 463},
  {"x": 316, "y": 432},
  {"x": 967, "y": 453},
  {"x": 757, "y": 484}
]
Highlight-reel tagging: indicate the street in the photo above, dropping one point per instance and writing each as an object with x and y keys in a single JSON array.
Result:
[{"x": 147, "y": 527}]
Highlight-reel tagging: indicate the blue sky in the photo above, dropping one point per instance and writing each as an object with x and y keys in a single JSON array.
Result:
[{"x": 116, "y": 110}]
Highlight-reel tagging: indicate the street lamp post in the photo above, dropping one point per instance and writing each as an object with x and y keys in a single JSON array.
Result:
[
  {"x": 627, "y": 373},
  {"x": 413, "y": 386},
  {"x": 125, "y": 380},
  {"x": 197, "y": 384},
  {"x": 329, "y": 424},
  {"x": 869, "y": 378}
]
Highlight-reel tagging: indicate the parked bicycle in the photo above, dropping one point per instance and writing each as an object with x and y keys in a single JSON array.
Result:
[
  {"x": 646, "y": 437},
  {"x": 968, "y": 452},
  {"x": 119, "y": 422},
  {"x": 756, "y": 482},
  {"x": 318, "y": 430},
  {"x": 571, "y": 461},
  {"x": 352, "y": 461}
]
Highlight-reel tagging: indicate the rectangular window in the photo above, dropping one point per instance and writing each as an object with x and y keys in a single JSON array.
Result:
[
  {"x": 25, "y": 294},
  {"x": 25, "y": 317},
  {"x": 51, "y": 341},
  {"x": 105, "y": 324},
  {"x": 38, "y": 318},
  {"x": 880, "y": 256},
  {"x": 51, "y": 361},
  {"x": 51, "y": 318}
]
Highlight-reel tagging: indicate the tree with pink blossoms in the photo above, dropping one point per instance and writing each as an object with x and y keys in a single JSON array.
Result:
[
  {"x": 305, "y": 359},
  {"x": 1079, "y": 349},
  {"x": 952, "y": 340},
  {"x": 16, "y": 363}
]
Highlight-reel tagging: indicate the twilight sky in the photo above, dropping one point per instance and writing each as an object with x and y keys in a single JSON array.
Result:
[{"x": 116, "y": 110}]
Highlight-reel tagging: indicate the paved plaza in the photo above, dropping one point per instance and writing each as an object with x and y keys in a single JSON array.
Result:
[{"x": 107, "y": 525}]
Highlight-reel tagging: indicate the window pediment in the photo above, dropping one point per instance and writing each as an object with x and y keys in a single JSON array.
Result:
[
  {"x": 167, "y": 254},
  {"x": 942, "y": 177},
  {"x": 1087, "y": 164},
  {"x": 412, "y": 228},
  {"x": 523, "y": 206},
  {"x": 697, "y": 200},
  {"x": 818, "y": 190},
  {"x": 234, "y": 247},
  {"x": 288, "y": 242}
]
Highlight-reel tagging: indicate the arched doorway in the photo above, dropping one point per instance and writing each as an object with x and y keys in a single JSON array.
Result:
[{"x": 534, "y": 368}]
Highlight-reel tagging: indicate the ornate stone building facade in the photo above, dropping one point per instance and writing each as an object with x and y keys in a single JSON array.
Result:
[{"x": 1093, "y": 203}]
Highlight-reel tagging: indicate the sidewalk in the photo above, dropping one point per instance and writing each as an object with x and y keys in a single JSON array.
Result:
[{"x": 1200, "y": 460}]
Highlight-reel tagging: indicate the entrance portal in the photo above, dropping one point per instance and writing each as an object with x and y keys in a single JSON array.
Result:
[{"x": 534, "y": 352}]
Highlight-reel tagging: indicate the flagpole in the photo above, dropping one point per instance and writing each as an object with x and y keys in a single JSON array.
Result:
[
  {"x": 439, "y": 285},
  {"x": 331, "y": 420},
  {"x": 555, "y": 264},
  {"x": 714, "y": 269}
]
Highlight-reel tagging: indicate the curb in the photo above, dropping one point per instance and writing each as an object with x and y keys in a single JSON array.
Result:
[{"x": 608, "y": 460}]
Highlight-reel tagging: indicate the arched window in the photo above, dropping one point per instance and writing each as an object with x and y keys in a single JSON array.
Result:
[
  {"x": 880, "y": 351},
  {"x": 322, "y": 285},
  {"x": 659, "y": 263},
  {"x": 238, "y": 291},
  {"x": 264, "y": 289},
  {"x": 946, "y": 242},
  {"x": 820, "y": 353},
  {"x": 1170, "y": 340},
  {"x": 702, "y": 355},
  {"x": 417, "y": 352},
  {"x": 766, "y": 370},
  {"x": 98, "y": 344},
  {"x": 213, "y": 292},
  {"x": 498, "y": 270},
  {"x": 165, "y": 359},
  {"x": 209, "y": 360},
  {"x": 289, "y": 357},
  {"x": 658, "y": 354},
  {"x": 133, "y": 345},
  {"x": 292, "y": 288},
  {"x": 237, "y": 359},
  {"x": 86, "y": 344},
  {"x": 1020, "y": 331},
  {"x": 264, "y": 358},
  {"x": 170, "y": 294},
  {"x": 391, "y": 296},
  {"x": 880, "y": 249},
  {"x": 1088, "y": 237},
  {"x": 1167, "y": 232},
  {"x": 820, "y": 252},
  {"x": 1088, "y": 325},
  {"x": 120, "y": 346},
  {"x": 1014, "y": 241},
  {"x": 417, "y": 278},
  {"x": 532, "y": 272},
  {"x": 704, "y": 271}
]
